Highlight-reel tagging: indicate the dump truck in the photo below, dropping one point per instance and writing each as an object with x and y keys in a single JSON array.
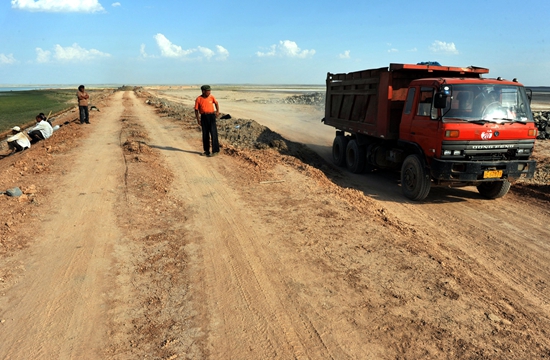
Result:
[{"x": 437, "y": 125}]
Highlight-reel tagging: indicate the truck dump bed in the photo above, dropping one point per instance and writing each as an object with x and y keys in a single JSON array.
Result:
[{"x": 371, "y": 101}]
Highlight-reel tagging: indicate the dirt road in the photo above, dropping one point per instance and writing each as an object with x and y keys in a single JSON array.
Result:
[{"x": 133, "y": 245}]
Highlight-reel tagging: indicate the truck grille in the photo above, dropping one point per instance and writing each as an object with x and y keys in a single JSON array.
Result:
[{"x": 487, "y": 150}]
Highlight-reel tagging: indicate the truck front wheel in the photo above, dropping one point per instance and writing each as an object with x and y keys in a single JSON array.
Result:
[
  {"x": 494, "y": 189},
  {"x": 356, "y": 157},
  {"x": 339, "y": 150},
  {"x": 415, "y": 180}
]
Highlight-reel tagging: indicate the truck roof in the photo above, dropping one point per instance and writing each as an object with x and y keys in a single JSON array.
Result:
[
  {"x": 407, "y": 72},
  {"x": 432, "y": 68},
  {"x": 462, "y": 80}
]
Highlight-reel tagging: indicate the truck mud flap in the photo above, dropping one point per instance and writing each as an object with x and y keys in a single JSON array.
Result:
[{"x": 471, "y": 171}]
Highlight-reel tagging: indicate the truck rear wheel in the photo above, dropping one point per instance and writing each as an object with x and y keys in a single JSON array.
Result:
[
  {"x": 356, "y": 157},
  {"x": 494, "y": 189},
  {"x": 339, "y": 150},
  {"x": 415, "y": 180}
]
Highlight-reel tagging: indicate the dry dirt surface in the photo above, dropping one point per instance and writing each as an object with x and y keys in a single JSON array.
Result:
[{"x": 127, "y": 244}]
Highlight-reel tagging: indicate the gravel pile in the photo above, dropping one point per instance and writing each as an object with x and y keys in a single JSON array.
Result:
[
  {"x": 315, "y": 99},
  {"x": 169, "y": 108},
  {"x": 243, "y": 133},
  {"x": 542, "y": 119}
]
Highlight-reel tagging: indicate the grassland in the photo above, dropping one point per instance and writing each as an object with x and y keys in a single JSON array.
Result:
[{"x": 21, "y": 107}]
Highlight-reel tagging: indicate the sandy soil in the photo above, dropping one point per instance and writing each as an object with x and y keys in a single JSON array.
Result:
[{"x": 129, "y": 244}]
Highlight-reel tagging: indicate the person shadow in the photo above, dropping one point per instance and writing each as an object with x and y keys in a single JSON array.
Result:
[{"x": 170, "y": 148}]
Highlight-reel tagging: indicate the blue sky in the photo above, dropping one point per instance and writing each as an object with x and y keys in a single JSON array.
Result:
[{"x": 269, "y": 42}]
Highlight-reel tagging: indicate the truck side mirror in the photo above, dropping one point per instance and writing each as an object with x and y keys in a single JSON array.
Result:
[
  {"x": 529, "y": 94},
  {"x": 440, "y": 100}
]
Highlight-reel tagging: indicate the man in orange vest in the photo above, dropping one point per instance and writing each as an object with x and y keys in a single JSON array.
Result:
[{"x": 206, "y": 112}]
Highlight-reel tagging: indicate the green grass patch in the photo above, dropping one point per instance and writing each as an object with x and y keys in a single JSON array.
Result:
[{"x": 21, "y": 107}]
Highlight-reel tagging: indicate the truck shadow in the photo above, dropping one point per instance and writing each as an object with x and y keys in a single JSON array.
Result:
[{"x": 383, "y": 185}]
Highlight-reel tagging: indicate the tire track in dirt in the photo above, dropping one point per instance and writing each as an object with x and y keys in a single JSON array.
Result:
[
  {"x": 498, "y": 241},
  {"x": 57, "y": 309},
  {"x": 152, "y": 313},
  {"x": 250, "y": 312}
]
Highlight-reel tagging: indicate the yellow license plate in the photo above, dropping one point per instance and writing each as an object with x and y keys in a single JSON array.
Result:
[{"x": 492, "y": 174}]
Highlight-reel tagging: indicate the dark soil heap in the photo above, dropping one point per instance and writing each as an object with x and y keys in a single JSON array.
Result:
[{"x": 237, "y": 133}]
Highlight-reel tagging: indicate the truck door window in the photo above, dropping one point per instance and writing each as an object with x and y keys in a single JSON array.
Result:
[
  {"x": 410, "y": 99},
  {"x": 425, "y": 101}
]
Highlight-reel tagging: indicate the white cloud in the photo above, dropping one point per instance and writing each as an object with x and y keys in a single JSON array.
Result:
[
  {"x": 345, "y": 55},
  {"x": 286, "y": 48},
  {"x": 85, "y": 6},
  {"x": 7, "y": 59},
  {"x": 143, "y": 52},
  {"x": 167, "y": 49},
  {"x": 271, "y": 52},
  {"x": 222, "y": 52},
  {"x": 115, "y": 4},
  {"x": 75, "y": 52},
  {"x": 206, "y": 52},
  {"x": 69, "y": 53},
  {"x": 42, "y": 56},
  {"x": 443, "y": 47}
]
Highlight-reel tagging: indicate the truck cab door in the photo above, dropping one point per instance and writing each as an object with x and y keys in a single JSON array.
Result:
[{"x": 422, "y": 129}]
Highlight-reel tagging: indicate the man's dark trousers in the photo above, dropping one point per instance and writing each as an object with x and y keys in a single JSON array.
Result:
[
  {"x": 208, "y": 124},
  {"x": 84, "y": 114},
  {"x": 36, "y": 136},
  {"x": 14, "y": 145}
]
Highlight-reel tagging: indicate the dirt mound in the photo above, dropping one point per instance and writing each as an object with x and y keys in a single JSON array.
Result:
[
  {"x": 239, "y": 133},
  {"x": 539, "y": 186}
]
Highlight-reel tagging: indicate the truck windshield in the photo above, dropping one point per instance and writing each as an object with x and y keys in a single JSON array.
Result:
[{"x": 499, "y": 103}]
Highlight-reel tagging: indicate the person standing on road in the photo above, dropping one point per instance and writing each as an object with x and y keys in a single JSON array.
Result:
[
  {"x": 18, "y": 141},
  {"x": 41, "y": 131},
  {"x": 83, "y": 97},
  {"x": 206, "y": 112}
]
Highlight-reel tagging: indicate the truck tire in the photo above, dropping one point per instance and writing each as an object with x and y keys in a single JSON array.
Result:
[
  {"x": 356, "y": 157},
  {"x": 415, "y": 180},
  {"x": 339, "y": 146},
  {"x": 494, "y": 189}
]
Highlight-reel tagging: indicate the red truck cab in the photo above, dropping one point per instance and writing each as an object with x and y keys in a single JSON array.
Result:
[{"x": 441, "y": 125}]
